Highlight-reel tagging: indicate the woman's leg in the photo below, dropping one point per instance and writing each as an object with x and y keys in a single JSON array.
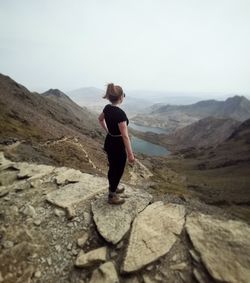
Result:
[{"x": 117, "y": 163}]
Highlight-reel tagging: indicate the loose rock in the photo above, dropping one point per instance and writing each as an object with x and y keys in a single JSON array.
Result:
[
  {"x": 94, "y": 256},
  {"x": 106, "y": 273},
  {"x": 81, "y": 241}
]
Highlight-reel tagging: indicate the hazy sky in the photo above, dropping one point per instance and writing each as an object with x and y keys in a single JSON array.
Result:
[{"x": 172, "y": 45}]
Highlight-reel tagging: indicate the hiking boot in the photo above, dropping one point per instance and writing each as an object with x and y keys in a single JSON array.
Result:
[
  {"x": 120, "y": 190},
  {"x": 115, "y": 200}
]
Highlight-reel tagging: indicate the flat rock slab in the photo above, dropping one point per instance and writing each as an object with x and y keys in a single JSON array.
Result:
[
  {"x": 106, "y": 273},
  {"x": 224, "y": 246},
  {"x": 153, "y": 234},
  {"x": 5, "y": 163},
  {"x": 114, "y": 221},
  {"x": 72, "y": 194},
  {"x": 67, "y": 175},
  {"x": 32, "y": 171}
]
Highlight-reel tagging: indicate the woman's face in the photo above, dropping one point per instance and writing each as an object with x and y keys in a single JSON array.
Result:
[{"x": 122, "y": 97}]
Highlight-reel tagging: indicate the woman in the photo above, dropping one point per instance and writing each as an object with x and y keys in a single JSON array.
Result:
[{"x": 117, "y": 143}]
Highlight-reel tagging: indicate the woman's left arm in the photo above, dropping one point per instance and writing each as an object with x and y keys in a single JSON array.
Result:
[{"x": 102, "y": 122}]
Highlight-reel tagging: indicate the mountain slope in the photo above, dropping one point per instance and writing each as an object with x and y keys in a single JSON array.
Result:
[
  {"x": 206, "y": 132},
  {"x": 50, "y": 115}
]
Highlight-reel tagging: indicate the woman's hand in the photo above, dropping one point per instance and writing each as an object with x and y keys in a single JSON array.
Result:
[{"x": 131, "y": 158}]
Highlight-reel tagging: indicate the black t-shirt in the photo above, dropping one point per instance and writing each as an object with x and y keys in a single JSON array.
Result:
[{"x": 114, "y": 115}]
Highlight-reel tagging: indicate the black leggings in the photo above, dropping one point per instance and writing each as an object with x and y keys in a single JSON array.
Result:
[{"x": 117, "y": 161}]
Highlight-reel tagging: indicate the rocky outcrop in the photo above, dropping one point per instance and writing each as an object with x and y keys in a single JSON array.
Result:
[
  {"x": 113, "y": 222},
  {"x": 38, "y": 243},
  {"x": 224, "y": 246},
  {"x": 153, "y": 234}
]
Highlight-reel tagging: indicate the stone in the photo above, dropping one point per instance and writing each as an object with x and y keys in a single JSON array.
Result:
[
  {"x": 223, "y": 245},
  {"x": 81, "y": 241},
  {"x": 72, "y": 194},
  {"x": 3, "y": 191},
  {"x": 198, "y": 276},
  {"x": 153, "y": 234},
  {"x": 69, "y": 247},
  {"x": 5, "y": 163},
  {"x": 114, "y": 221},
  {"x": 71, "y": 212},
  {"x": 29, "y": 210},
  {"x": 106, "y": 273},
  {"x": 119, "y": 245},
  {"x": 37, "y": 222},
  {"x": 58, "y": 248},
  {"x": 179, "y": 266},
  {"x": 87, "y": 218},
  {"x": 38, "y": 274},
  {"x": 92, "y": 257},
  {"x": 59, "y": 212},
  {"x": 49, "y": 261},
  {"x": 147, "y": 279},
  {"x": 8, "y": 244},
  {"x": 67, "y": 175},
  {"x": 113, "y": 254},
  {"x": 1, "y": 277},
  {"x": 174, "y": 258},
  {"x": 194, "y": 255}
]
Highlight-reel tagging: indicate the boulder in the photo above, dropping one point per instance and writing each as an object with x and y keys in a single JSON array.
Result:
[
  {"x": 154, "y": 232},
  {"x": 106, "y": 273},
  {"x": 114, "y": 221},
  {"x": 223, "y": 245}
]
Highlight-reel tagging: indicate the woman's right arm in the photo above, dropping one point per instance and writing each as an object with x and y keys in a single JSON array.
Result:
[{"x": 124, "y": 132}]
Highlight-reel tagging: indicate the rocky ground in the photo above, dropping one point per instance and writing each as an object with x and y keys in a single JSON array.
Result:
[{"x": 56, "y": 226}]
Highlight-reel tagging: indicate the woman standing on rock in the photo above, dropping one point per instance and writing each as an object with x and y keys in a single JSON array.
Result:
[{"x": 117, "y": 143}]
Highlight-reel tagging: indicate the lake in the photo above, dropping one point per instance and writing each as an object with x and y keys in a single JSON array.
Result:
[
  {"x": 147, "y": 129},
  {"x": 148, "y": 148}
]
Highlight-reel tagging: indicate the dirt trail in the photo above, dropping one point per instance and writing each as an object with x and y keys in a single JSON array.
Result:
[
  {"x": 137, "y": 173},
  {"x": 72, "y": 140}
]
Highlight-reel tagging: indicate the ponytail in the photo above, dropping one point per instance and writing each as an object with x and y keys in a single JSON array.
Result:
[{"x": 110, "y": 91}]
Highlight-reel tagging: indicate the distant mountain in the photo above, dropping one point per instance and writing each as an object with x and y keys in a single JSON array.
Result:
[
  {"x": 92, "y": 98},
  {"x": 233, "y": 151},
  {"x": 173, "y": 117},
  {"x": 89, "y": 97},
  {"x": 41, "y": 116},
  {"x": 237, "y": 107}
]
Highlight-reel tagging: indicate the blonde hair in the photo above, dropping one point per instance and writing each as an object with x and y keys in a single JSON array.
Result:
[{"x": 113, "y": 92}]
